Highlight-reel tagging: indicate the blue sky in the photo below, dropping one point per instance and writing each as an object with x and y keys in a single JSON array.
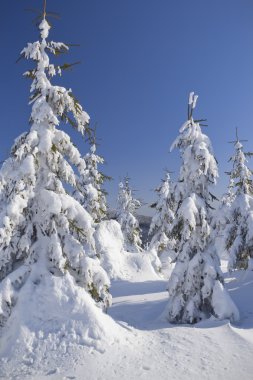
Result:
[{"x": 140, "y": 59}]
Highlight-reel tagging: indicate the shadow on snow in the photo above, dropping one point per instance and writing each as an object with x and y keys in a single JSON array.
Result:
[{"x": 142, "y": 304}]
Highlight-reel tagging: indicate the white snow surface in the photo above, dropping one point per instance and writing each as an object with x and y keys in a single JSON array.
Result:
[
  {"x": 137, "y": 344},
  {"x": 48, "y": 321},
  {"x": 118, "y": 263}
]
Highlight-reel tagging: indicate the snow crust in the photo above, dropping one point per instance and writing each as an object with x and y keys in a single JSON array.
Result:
[{"x": 145, "y": 346}]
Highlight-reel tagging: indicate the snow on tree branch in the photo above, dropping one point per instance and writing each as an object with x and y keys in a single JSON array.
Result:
[
  {"x": 196, "y": 280},
  {"x": 46, "y": 235},
  {"x": 51, "y": 104}
]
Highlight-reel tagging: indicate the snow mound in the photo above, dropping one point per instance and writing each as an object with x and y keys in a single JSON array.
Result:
[
  {"x": 167, "y": 264},
  {"x": 49, "y": 319},
  {"x": 223, "y": 305},
  {"x": 118, "y": 263}
]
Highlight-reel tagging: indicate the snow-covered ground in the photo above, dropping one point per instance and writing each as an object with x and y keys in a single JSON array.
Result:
[{"x": 147, "y": 347}]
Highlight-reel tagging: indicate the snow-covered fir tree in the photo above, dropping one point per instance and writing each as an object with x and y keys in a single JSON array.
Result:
[
  {"x": 195, "y": 287},
  {"x": 229, "y": 196},
  {"x": 238, "y": 234},
  {"x": 44, "y": 232},
  {"x": 220, "y": 220},
  {"x": 126, "y": 208},
  {"x": 90, "y": 192},
  {"x": 161, "y": 223}
]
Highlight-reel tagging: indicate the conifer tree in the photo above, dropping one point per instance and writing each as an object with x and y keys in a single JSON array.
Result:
[
  {"x": 160, "y": 227},
  {"x": 44, "y": 232},
  {"x": 220, "y": 219},
  {"x": 229, "y": 196},
  {"x": 195, "y": 286},
  {"x": 238, "y": 235},
  {"x": 90, "y": 192},
  {"x": 127, "y": 205}
]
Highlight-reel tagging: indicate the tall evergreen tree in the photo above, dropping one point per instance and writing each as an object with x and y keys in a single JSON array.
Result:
[
  {"x": 195, "y": 286},
  {"x": 220, "y": 220},
  {"x": 90, "y": 192},
  {"x": 160, "y": 227},
  {"x": 126, "y": 208},
  {"x": 238, "y": 235},
  {"x": 44, "y": 232}
]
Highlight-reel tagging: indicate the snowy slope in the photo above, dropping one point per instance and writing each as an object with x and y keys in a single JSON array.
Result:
[{"x": 147, "y": 347}]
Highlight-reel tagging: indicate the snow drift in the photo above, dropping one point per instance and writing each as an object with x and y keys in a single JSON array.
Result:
[
  {"x": 118, "y": 263},
  {"x": 50, "y": 319}
]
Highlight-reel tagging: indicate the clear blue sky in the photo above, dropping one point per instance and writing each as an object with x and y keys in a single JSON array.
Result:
[{"x": 140, "y": 59}]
